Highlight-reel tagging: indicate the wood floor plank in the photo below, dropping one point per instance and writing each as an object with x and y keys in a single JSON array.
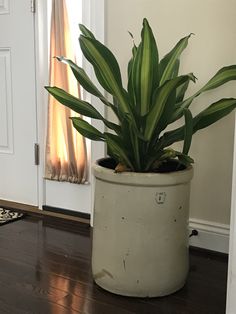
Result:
[{"x": 45, "y": 267}]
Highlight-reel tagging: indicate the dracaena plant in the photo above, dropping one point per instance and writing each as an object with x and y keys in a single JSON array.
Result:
[{"x": 153, "y": 99}]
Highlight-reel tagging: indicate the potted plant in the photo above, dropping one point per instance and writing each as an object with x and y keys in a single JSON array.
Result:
[{"x": 140, "y": 233}]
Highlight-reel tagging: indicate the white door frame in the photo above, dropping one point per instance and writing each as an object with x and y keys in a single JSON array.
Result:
[
  {"x": 231, "y": 285},
  {"x": 93, "y": 17}
]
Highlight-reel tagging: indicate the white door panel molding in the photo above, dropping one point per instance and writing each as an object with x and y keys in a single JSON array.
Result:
[
  {"x": 4, "y": 7},
  {"x": 6, "y": 124}
]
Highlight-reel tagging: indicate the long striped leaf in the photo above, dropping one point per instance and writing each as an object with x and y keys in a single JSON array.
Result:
[
  {"x": 135, "y": 148},
  {"x": 161, "y": 107},
  {"x": 81, "y": 77},
  {"x": 134, "y": 51},
  {"x": 130, "y": 86},
  {"x": 86, "y": 83},
  {"x": 179, "y": 108},
  {"x": 149, "y": 67},
  {"x": 171, "y": 137},
  {"x": 145, "y": 69},
  {"x": 116, "y": 149},
  {"x": 214, "y": 112},
  {"x": 180, "y": 92},
  {"x": 180, "y": 103},
  {"x": 167, "y": 64},
  {"x": 210, "y": 115},
  {"x": 79, "y": 106},
  {"x": 86, "y": 129},
  {"x": 113, "y": 126},
  {"x": 106, "y": 69},
  {"x": 185, "y": 160},
  {"x": 104, "y": 63},
  {"x": 130, "y": 64},
  {"x": 223, "y": 76},
  {"x": 131, "y": 141},
  {"x": 134, "y": 79},
  {"x": 165, "y": 116},
  {"x": 188, "y": 131},
  {"x": 175, "y": 71},
  {"x": 85, "y": 31}
]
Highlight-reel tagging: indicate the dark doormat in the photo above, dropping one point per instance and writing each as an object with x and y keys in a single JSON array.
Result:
[{"x": 9, "y": 215}]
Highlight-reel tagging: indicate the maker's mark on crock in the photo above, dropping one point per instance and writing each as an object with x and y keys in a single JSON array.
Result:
[{"x": 160, "y": 197}]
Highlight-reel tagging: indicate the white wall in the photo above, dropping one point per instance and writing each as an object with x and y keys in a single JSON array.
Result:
[{"x": 213, "y": 46}]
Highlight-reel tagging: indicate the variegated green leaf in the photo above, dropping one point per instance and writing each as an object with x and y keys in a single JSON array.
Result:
[
  {"x": 78, "y": 105},
  {"x": 168, "y": 63},
  {"x": 214, "y": 112},
  {"x": 81, "y": 77},
  {"x": 171, "y": 137},
  {"x": 87, "y": 130},
  {"x": 175, "y": 69},
  {"x": 210, "y": 115},
  {"x": 145, "y": 70},
  {"x": 117, "y": 150},
  {"x": 130, "y": 86},
  {"x": 113, "y": 126},
  {"x": 185, "y": 160},
  {"x": 85, "y": 31},
  {"x": 179, "y": 108},
  {"x": 86, "y": 83},
  {"x": 161, "y": 110},
  {"x": 134, "y": 49},
  {"x": 106, "y": 69},
  {"x": 180, "y": 92},
  {"x": 134, "y": 141},
  {"x": 170, "y": 153},
  {"x": 188, "y": 131},
  {"x": 130, "y": 64},
  {"x": 223, "y": 76}
]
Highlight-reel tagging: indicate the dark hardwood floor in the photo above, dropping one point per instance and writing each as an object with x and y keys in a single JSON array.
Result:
[{"x": 45, "y": 268}]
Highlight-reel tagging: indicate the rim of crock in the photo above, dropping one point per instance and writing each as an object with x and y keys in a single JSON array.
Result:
[{"x": 142, "y": 179}]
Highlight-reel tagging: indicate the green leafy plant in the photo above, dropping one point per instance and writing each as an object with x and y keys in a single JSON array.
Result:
[{"x": 154, "y": 98}]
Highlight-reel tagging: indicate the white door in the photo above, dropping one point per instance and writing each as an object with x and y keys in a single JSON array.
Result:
[{"x": 18, "y": 173}]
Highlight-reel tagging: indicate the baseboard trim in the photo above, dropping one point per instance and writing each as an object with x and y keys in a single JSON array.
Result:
[
  {"x": 67, "y": 212},
  {"x": 211, "y": 235},
  {"x": 34, "y": 210}
]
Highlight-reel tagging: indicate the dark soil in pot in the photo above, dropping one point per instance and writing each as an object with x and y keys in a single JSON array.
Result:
[{"x": 169, "y": 166}]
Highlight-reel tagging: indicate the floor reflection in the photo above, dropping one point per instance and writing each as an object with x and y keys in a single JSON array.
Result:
[{"x": 60, "y": 274}]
